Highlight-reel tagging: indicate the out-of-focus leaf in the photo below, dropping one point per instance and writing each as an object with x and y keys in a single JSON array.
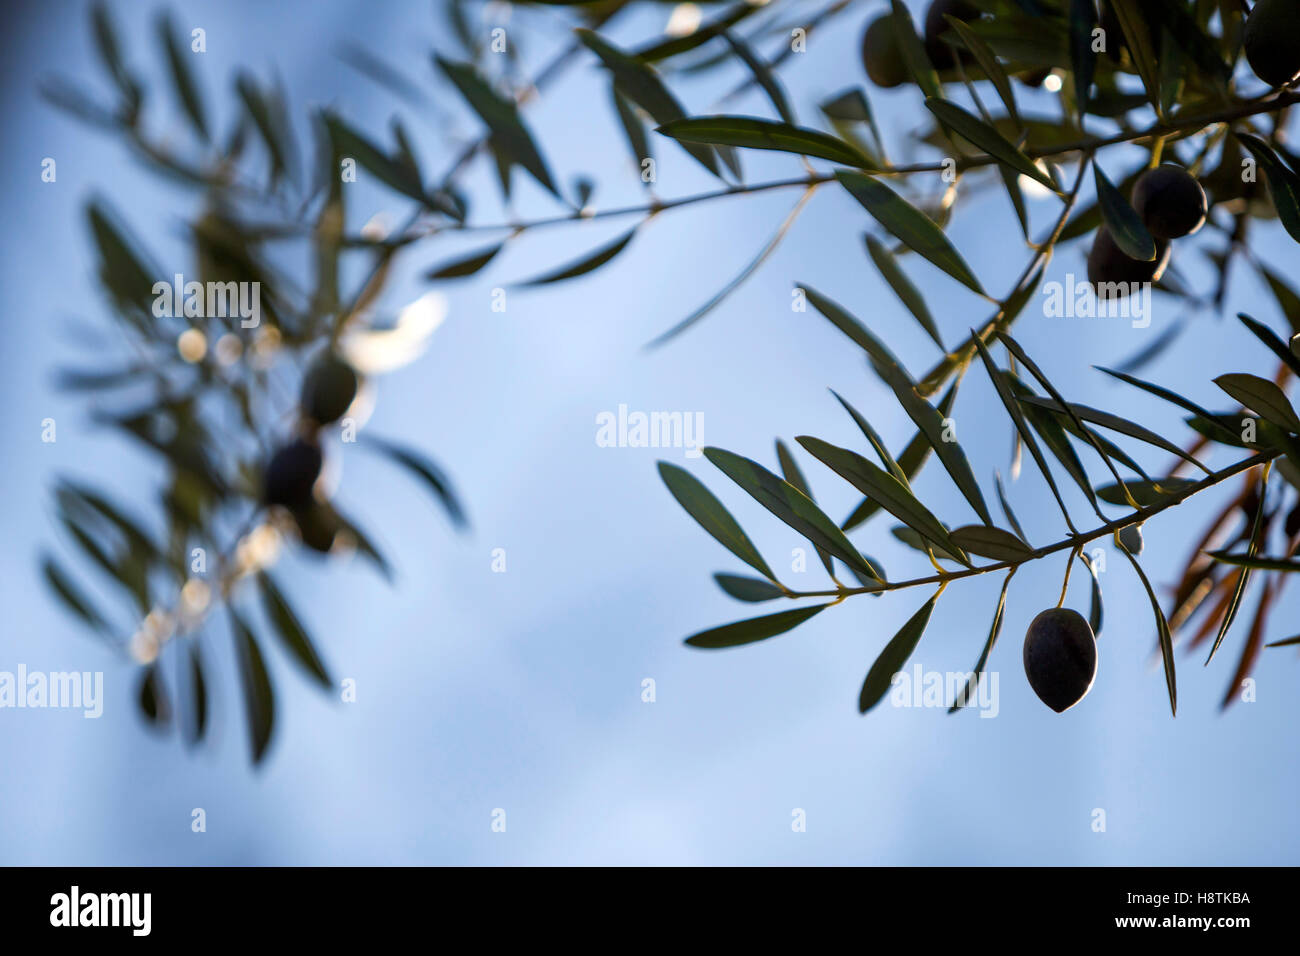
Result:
[
  {"x": 588, "y": 263},
  {"x": 764, "y": 134},
  {"x": 1283, "y": 183},
  {"x": 1083, "y": 19},
  {"x": 187, "y": 88},
  {"x": 1244, "y": 577},
  {"x": 902, "y": 286},
  {"x": 259, "y": 110},
  {"x": 972, "y": 683},
  {"x": 790, "y": 505},
  {"x": 198, "y": 694},
  {"x": 1285, "y": 565},
  {"x": 1262, "y": 396},
  {"x": 987, "y": 61},
  {"x": 67, "y": 592},
  {"x": 349, "y": 143},
  {"x": 633, "y": 127},
  {"x": 509, "y": 135},
  {"x": 981, "y": 134},
  {"x": 1285, "y": 643},
  {"x": 754, "y": 629},
  {"x": 1288, "y": 299},
  {"x": 991, "y": 542},
  {"x": 673, "y": 45},
  {"x": 764, "y": 77},
  {"x": 259, "y": 697},
  {"x": 639, "y": 82},
  {"x": 876, "y": 483},
  {"x": 153, "y": 700},
  {"x": 712, "y": 516},
  {"x": 913, "y": 51},
  {"x": 424, "y": 469},
  {"x": 909, "y": 225},
  {"x": 465, "y": 266},
  {"x": 894, "y": 656},
  {"x": 1145, "y": 493},
  {"x": 1137, "y": 35},
  {"x": 1123, "y": 222},
  {"x": 1006, "y": 507},
  {"x": 735, "y": 283},
  {"x": 751, "y": 590},
  {"x": 291, "y": 631},
  {"x": 1162, "y": 631},
  {"x": 122, "y": 269}
]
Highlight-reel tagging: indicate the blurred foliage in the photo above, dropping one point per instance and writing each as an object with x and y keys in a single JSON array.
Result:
[{"x": 237, "y": 413}]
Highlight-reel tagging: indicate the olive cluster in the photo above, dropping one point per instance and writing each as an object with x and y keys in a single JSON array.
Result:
[{"x": 290, "y": 476}]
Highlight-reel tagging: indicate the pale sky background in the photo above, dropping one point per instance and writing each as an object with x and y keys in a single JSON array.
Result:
[{"x": 522, "y": 690}]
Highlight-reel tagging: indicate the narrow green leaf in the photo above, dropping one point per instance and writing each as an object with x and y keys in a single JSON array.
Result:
[
  {"x": 1083, "y": 61},
  {"x": 909, "y": 225},
  {"x": 1283, "y": 183},
  {"x": 187, "y": 89},
  {"x": 852, "y": 327},
  {"x": 153, "y": 700},
  {"x": 588, "y": 263},
  {"x": 763, "y": 76},
  {"x": 291, "y": 630},
  {"x": 764, "y": 134},
  {"x": 426, "y": 471},
  {"x": 272, "y": 137},
  {"x": 1234, "y": 604},
  {"x": 712, "y": 516},
  {"x": 902, "y": 286},
  {"x": 673, "y": 45},
  {"x": 1095, "y": 610},
  {"x": 751, "y": 590},
  {"x": 876, "y": 442},
  {"x": 1261, "y": 396},
  {"x": 913, "y": 51},
  {"x": 1173, "y": 397},
  {"x": 1122, "y": 425},
  {"x": 1255, "y": 562},
  {"x": 1162, "y": 631},
  {"x": 876, "y": 483},
  {"x": 754, "y": 629},
  {"x": 1275, "y": 344},
  {"x": 1285, "y": 643},
  {"x": 633, "y": 127},
  {"x": 501, "y": 115},
  {"x": 991, "y": 542},
  {"x": 987, "y": 61},
  {"x": 790, "y": 505},
  {"x": 1133, "y": 23},
  {"x": 639, "y": 82},
  {"x": 1003, "y": 388},
  {"x": 894, "y": 656},
  {"x": 790, "y": 471},
  {"x": 972, "y": 683},
  {"x": 259, "y": 697},
  {"x": 1124, "y": 223},
  {"x": 1006, "y": 507},
  {"x": 72, "y": 597},
  {"x": 465, "y": 266},
  {"x": 1145, "y": 493},
  {"x": 935, "y": 428},
  {"x": 981, "y": 134},
  {"x": 349, "y": 143}
]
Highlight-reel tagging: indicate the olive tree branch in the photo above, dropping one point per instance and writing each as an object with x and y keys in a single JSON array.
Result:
[{"x": 1074, "y": 541}]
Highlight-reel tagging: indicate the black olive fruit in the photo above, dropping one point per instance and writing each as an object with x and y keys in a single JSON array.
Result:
[
  {"x": 328, "y": 389},
  {"x": 943, "y": 56},
  {"x": 881, "y": 57},
  {"x": 291, "y": 473},
  {"x": 1272, "y": 40},
  {"x": 1108, "y": 264},
  {"x": 1170, "y": 201},
  {"x": 1131, "y": 538},
  {"x": 1060, "y": 657}
]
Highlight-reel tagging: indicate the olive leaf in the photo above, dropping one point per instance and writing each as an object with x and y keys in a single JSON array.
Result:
[
  {"x": 712, "y": 516},
  {"x": 894, "y": 656},
  {"x": 965, "y": 695},
  {"x": 1243, "y": 578},
  {"x": 1262, "y": 396},
  {"x": 1124, "y": 223},
  {"x": 981, "y": 134},
  {"x": 751, "y": 590},
  {"x": 291, "y": 630},
  {"x": 754, "y": 629},
  {"x": 259, "y": 696}
]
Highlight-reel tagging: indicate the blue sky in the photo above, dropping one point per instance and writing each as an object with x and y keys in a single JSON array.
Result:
[{"x": 522, "y": 690}]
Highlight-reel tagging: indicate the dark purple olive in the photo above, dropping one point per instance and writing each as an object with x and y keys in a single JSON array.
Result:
[
  {"x": 1169, "y": 201},
  {"x": 881, "y": 57},
  {"x": 1060, "y": 657},
  {"x": 291, "y": 473},
  {"x": 1113, "y": 273}
]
